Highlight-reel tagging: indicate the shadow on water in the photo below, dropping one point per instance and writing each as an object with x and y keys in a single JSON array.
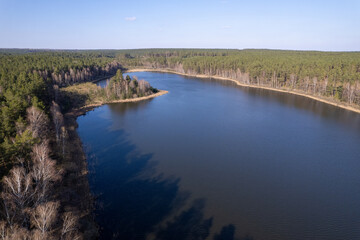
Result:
[
  {"x": 190, "y": 224},
  {"x": 228, "y": 233},
  {"x": 124, "y": 108},
  {"x": 134, "y": 203},
  {"x": 129, "y": 205}
]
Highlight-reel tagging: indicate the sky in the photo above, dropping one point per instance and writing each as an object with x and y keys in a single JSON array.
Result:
[{"x": 324, "y": 25}]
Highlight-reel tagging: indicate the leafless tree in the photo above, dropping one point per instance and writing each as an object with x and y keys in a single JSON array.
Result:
[
  {"x": 17, "y": 233},
  {"x": 314, "y": 84},
  {"x": 307, "y": 83},
  {"x": 292, "y": 80},
  {"x": 18, "y": 188},
  {"x": 9, "y": 210},
  {"x": 37, "y": 121},
  {"x": 63, "y": 137},
  {"x": 69, "y": 227},
  {"x": 16, "y": 196},
  {"x": 43, "y": 218},
  {"x": 56, "y": 92},
  {"x": 58, "y": 119},
  {"x": 325, "y": 85},
  {"x": 143, "y": 86},
  {"x": 350, "y": 92},
  {"x": 43, "y": 171}
]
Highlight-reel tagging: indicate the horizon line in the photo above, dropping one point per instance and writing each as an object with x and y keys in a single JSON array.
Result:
[{"x": 175, "y": 48}]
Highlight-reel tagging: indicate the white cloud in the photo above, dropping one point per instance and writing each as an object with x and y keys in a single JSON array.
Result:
[
  {"x": 226, "y": 27},
  {"x": 130, "y": 19}
]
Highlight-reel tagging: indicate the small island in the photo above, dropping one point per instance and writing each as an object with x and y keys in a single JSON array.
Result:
[{"x": 119, "y": 89}]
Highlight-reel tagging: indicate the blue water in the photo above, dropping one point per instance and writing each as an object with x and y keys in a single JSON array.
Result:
[{"x": 211, "y": 160}]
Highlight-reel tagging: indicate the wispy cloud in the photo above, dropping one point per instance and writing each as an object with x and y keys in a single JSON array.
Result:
[
  {"x": 226, "y": 27},
  {"x": 130, "y": 19}
]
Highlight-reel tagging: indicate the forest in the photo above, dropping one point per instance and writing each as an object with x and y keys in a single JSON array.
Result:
[
  {"x": 43, "y": 188},
  {"x": 334, "y": 75},
  {"x": 35, "y": 159}
]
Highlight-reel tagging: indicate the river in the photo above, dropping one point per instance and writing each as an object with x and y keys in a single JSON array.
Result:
[{"x": 212, "y": 160}]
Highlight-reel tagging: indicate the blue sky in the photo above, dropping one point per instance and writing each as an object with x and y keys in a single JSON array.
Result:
[{"x": 108, "y": 24}]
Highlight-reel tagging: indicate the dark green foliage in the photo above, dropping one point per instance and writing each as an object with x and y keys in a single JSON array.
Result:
[
  {"x": 330, "y": 74},
  {"x": 27, "y": 78},
  {"x": 120, "y": 88}
]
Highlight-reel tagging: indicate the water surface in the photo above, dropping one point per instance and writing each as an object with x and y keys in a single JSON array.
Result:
[{"x": 211, "y": 160}]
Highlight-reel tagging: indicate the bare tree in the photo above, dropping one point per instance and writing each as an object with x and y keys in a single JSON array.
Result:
[
  {"x": 292, "y": 80},
  {"x": 16, "y": 196},
  {"x": 9, "y": 209},
  {"x": 307, "y": 83},
  {"x": 43, "y": 218},
  {"x": 325, "y": 85},
  {"x": 43, "y": 171},
  {"x": 56, "y": 92},
  {"x": 17, "y": 233},
  {"x": 37, "y": 121},
  {"x": 314, "y": 84},
  {"x": 143, "y": 86},
  {"x": 69, "y": 227},
  {"x": 350, "y": 91},
  {"x": 63, "y": 137},
  {"x": 18, "y": 188},
  {"x": 58, "y": 119}
]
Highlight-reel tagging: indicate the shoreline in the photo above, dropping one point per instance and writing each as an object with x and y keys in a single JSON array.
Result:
[
  {"x": 82, "y": 110},
  {"x": 330, "y": 102},
  {"x": 77, "y": 165}
]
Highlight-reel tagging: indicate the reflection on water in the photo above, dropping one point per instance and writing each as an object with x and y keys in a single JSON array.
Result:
[
  {"x": 130, "y": 106},
  {"x": 211, "y": 160}
]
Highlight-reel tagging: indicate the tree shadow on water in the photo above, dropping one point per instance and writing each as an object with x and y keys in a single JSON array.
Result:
[
  {"x": 228, "y": 233},
  {"x": 133, "y": 202},
  {"x": 131, "y": 199},
  {"x": 189, "y": 224}
]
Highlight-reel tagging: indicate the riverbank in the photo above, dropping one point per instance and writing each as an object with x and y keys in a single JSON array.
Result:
[
  {"x": 88, "y": 107},
  {"x": 317, "y": 98},
  {"x": 75, "y": 164},
  {"x": 77, "y": 100}
]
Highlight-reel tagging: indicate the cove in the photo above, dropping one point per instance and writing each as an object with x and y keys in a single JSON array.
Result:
[{"x": 212, "y": 160}]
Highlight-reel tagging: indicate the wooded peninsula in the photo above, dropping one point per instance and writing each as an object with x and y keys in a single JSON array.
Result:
[{"x": 44, "y": 188}]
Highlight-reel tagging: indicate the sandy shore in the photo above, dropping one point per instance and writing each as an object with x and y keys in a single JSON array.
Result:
[
  {"x": 84, "y": 109},
  {"x": 320, "y": 99}
]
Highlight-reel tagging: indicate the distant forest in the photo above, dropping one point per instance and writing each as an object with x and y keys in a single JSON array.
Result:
[{"x": 329, "y": 74}]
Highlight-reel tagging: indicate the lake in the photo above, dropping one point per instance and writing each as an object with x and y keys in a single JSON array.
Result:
[{"x": 212, "y": 160}]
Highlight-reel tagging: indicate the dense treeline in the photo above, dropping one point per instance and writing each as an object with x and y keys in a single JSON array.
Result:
[
  {"x": 329, "y": 74},
  {"x": 32, "y": 79},
  {"x": 41, "y": 196},
  {"x": 33, "y": 142}
]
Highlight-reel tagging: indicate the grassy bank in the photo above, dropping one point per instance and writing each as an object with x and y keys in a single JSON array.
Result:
[{"x": 89, "y": 95}]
